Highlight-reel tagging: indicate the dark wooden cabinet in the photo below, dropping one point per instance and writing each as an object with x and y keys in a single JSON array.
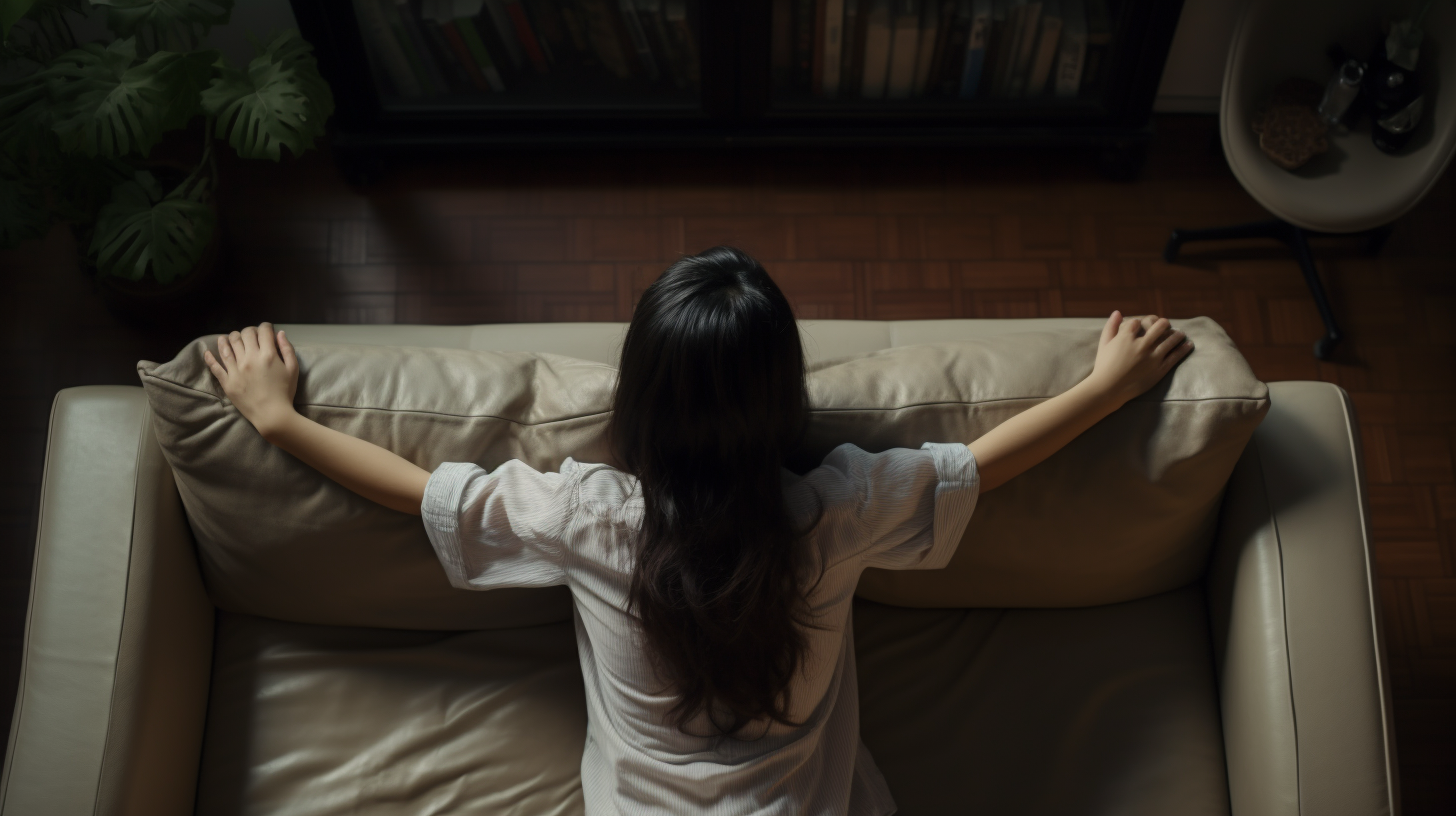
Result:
[{"x": 448, "y": 74}]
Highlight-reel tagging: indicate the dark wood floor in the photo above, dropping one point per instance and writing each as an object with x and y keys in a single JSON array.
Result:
[{"x": 871, "y": 234}]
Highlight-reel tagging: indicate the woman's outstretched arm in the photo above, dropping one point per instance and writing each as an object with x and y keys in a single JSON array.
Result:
[
  {"x": 260, "y": 376},
  {"x": 1127, "y": 365}
]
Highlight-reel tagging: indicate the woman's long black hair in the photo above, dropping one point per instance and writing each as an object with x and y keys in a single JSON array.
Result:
[{"x": 710, "y": 399}]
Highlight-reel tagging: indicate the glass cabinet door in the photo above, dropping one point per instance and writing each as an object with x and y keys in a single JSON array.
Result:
[
  {"x": 884, "y": 55},
  {"x": 567, "y": 55}
]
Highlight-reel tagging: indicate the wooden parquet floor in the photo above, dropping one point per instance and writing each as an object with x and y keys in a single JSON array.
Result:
[{"x": 864, "y": 234}]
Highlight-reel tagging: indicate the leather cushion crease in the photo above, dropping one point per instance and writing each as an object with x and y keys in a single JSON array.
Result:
[{"x": 1064, "y": 534}]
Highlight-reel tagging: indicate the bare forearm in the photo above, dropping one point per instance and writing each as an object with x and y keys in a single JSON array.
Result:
[
  {"x": 1026, "y": 439},
  {"x": 363, "y": 467}
]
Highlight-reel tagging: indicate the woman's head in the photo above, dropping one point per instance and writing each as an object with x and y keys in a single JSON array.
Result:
[{"x": 710, "y": 400}]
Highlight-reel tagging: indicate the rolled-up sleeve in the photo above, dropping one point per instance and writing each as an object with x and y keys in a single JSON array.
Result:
[
  {"x": 505, "y": 528},
  {"x": 901, "y": 508}
]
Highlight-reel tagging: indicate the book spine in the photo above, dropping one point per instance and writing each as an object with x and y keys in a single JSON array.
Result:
[
  {"x": 903, "y": 49},
  {"x": 847, "y": 85},
  {"x": 526, "y": 36},
  {"x": 1004, "y": 38},
  {"x": 654, "y": 23},
  {"x": 1025, "y": 49},
  {"x": 877, "y": 50},
  {"x": 471, "y": 37},
  {"x": 681, "y": 31},
  {"x": 803, "y": 45},
  {"x": 1073, "y": 49},
  {"x": 601, "y": 30},
  {"x": 456, "y": 74},
  {"x": 433, "y": 48},
  {"x": 550, "y": 30},
  {"x": 947, "y": 75},
  {"x": 782, "y": 47},
  {"x": 930, "y": 14},
  {"x": 385, "y": 48},
  {"x": 467, "y": 60},
  {"x": 833, "y": 46},
  {"x": 638, "y": 38},
  {"x": 505, "y": 30},
  {"x": 1048, "y": 36},
  {"x": 413, "y": 43},
  {"x": 979, "y": 35},
  {"x": 816, "y": 64}
]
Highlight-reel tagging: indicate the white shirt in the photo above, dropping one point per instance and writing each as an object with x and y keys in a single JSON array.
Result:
[{"x": 514, "y": 527}]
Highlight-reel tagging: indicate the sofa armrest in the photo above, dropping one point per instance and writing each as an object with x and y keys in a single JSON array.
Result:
[
  {"x": 118, "y": 636},
  {"x": 1303, "y": 683}
]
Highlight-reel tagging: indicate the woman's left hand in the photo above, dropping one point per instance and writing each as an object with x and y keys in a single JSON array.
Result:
[{"x": 259, "y": 374}]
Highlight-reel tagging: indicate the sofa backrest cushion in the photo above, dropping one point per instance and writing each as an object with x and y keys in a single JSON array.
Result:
[{"x": 1125, "y": 511}]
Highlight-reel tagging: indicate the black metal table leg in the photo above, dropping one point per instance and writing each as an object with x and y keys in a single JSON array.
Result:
[{"x": 1299, "y": 243}]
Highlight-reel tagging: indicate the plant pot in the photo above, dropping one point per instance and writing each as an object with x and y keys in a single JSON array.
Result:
[{"x": 182, "y": 300}]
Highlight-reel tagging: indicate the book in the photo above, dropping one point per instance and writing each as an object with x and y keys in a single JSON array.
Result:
[
  {"x": 803, "y": 26},
  {"x": 550, "y": 28},
  {"x": 525, "y": 33},
  {"x": 398, "y": 16},
  {"x": 505, "y": 31},
  {"x": 944, "y": 44},
  {"x": 876, "y": 50},
  {"x": 456, "y": 64},
  {"x": 607, "y": 40},
  {"x": 467, "y": 60},
  {"x": 833, "y": 46},
  {"x": 1046, "y": 48},
  {"x": 1006, "y": 16},
  {"x": 1073, "y": 49},
  {"x": 638, "y": 39},
  {"x": 679, "y": 29},
  {"x": 576, "y": 29},
  {"x": 781, "y": 47},
  {"x": 851, "y": 64},
  {"x": 977, "y": 36},
  {"x": 931, "y": 12},
  {"x": 903, "y": 48},
  {"x": 382, "y": 44},
  {"x": 654, "y": 26},
  {"x": 816, "y": 58},
  {"x": 488, "y": 65},
  {"x": 1025, "y": 49},
  {"x": 1099, "y": 39}
]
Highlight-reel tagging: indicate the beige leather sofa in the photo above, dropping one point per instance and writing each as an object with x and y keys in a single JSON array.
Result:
[{"x": 1258, "y": 689}]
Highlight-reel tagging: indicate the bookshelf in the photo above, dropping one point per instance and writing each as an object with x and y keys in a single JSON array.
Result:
[{"x": 461, "y": 74}]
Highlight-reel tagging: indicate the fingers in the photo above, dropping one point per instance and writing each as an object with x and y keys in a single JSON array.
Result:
[
  {"x": 290, "y": 360},
  {"x": 1168, "y": 343},
  {"x": 250, "y": 338},
  {"x": 1131, "y": 326},
  {"x": 214, "y": 366},
  {"x": 1109, "y": 329},
  {"x": 238, "y": 348},
  {"x": 265, "y": 338},
  {"x": 1156, "y": 326}
]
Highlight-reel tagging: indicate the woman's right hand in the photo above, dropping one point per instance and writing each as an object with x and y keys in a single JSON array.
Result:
[{"x": 1134, "y": 353}]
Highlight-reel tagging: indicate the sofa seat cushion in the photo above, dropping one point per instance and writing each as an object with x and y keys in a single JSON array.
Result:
[
  {"x": 1102, "y": 710},
  {"x": 1090, "y": 711},
  {"x": 309, "y": 720}
]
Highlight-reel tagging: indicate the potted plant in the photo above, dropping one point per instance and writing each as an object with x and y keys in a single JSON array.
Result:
[{"x": 79, "y": 121}]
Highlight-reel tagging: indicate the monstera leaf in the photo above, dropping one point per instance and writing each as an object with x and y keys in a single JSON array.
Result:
[
  {"x": 108, "y": 106},
  {"x": 129, "y": 17},
  {"x": 141, "y": 229},
  {"x": 22, "y": 213},
  {"x": 25, "y": 116},
  {"x": 280, "y": 101}
]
